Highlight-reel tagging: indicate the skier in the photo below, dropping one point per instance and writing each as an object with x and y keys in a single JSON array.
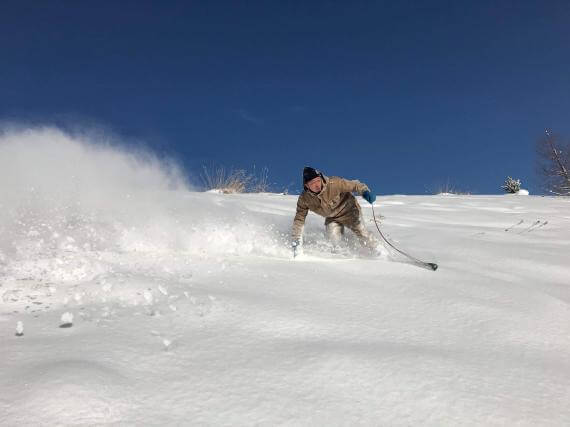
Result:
[{"x": 332, "y": 198}]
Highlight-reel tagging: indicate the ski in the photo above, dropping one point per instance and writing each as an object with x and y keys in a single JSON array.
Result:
[
  {"x": 427, "y": 265},
  {"x": 534, "y": 224},
  {"x": 514, "y": 226}
]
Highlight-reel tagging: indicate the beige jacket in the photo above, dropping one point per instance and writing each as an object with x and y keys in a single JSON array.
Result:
[{"x": 335, "y": 201}]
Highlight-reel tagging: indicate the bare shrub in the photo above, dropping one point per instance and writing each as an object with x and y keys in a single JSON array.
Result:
[
  {"x": 260, "y": 182},
  {"x": 554, "y": 164},
  {"x": 232, "y": 181},
  {"x": 449, "y": 188},
  {"x": 511, "y": 185},
  {"x": 235, "y": 180}
]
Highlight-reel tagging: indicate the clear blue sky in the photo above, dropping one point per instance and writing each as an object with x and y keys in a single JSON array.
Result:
[{"x": 403, "y": 95}]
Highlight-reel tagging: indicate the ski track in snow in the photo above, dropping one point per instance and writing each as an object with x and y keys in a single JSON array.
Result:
[{"x": 186, "y": 308}]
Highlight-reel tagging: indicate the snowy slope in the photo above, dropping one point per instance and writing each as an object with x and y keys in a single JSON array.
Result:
[{"x": 188, "y": 308}]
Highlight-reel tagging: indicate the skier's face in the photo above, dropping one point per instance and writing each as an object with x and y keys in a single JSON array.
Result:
[{"x": 315, "y": 184}]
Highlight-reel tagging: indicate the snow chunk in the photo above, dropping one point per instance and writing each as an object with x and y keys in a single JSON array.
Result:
[{"x": 66, "y": 320}]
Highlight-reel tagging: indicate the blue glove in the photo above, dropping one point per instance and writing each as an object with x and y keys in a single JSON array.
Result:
[{"x": 369, "y": 196}]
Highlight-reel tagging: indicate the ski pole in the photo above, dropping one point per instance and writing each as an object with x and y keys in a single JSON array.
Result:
[{"x": 428, "y": 265}]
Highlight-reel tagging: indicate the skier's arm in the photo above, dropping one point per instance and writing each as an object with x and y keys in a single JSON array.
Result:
[
  {"x": 299, "y": 221},
  {"x": 350, "y": 186},
  {"x": 357, "y": 186}
]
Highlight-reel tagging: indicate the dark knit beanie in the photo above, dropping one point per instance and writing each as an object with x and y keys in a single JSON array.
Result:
[{"x": 309, "y": 173}]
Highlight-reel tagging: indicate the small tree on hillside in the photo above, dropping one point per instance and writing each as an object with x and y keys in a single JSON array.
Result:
[
  {"x": 512, "y": 185},
  {"x": 554, "y": 164}
]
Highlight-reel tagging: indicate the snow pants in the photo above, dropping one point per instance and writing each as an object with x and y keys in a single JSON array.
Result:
[{"x": 335, "y": 230}]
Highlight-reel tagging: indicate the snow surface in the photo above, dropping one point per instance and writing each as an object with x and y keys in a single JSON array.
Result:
[{"x": 188, "y": 309}]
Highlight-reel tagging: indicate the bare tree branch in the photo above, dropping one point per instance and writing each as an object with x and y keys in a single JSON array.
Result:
[{"x": 554, "y": 164}]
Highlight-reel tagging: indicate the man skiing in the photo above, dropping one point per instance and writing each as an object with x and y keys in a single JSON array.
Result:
[{"x": 332, "y": 198}]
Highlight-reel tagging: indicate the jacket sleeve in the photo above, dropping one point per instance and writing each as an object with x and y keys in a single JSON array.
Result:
[
  {"x": 299, "y": 221},
  {"x": 349, "y": 186}
]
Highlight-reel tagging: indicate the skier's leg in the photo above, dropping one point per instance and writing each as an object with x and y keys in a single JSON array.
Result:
[
  {"x": 335, "y": 231},
  {"x": 367, "y": 240}
]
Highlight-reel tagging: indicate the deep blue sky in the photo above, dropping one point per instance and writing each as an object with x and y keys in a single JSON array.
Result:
[{"x": 404, "y": 95}]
